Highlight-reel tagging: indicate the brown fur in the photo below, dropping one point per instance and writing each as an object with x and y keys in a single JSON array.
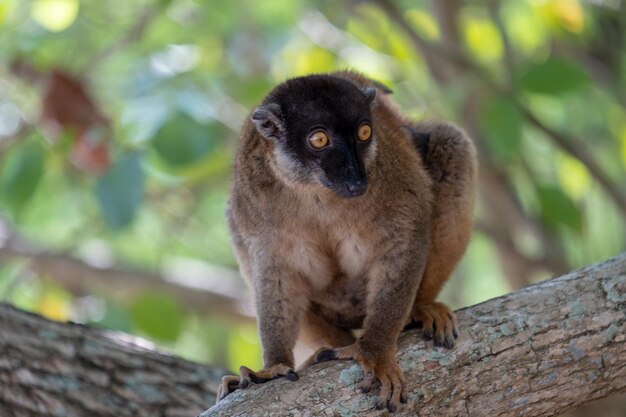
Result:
[{"x": 322, "y": 266}]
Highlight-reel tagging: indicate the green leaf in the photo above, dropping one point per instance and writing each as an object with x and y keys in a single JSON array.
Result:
[
  {"x": 158, "y": 315},
  {"x": 21, "y": 174},
  {"x": 553, "y": 76},
  {"x": 501, "y": 123},
  {"x": 558, "y": 209},
  {"x": 115, "y": 318},
  {"x": 182, "y": 140},
  {"x": 120, "y": 191}
]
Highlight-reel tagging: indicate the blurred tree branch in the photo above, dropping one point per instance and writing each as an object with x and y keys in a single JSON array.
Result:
[
  {"x": 133, "y": 34},
  {"x": 206, "y": 295}
]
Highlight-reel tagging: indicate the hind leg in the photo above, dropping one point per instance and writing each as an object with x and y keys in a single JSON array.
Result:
[{"x": 450, "y": 159}]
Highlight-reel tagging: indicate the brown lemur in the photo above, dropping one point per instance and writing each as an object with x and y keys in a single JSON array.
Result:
[{"x": 346, "y": 215}]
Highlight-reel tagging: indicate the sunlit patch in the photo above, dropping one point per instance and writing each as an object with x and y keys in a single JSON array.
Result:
[
  {"x": 524, "y": 27},
  {"x": 53, "y": 307},
  {"x": 5, "y": 9},
  {"x": 244, "y": 348},
  {"x": 566, "y": 14},
  {"x": 175, "y": 59},
  {"x": 423, "y": 23},
  {"x": 483, "y": 39},
  {"x": 10, "y": 120},
  {"x": 571, "y": 15},
  {"x": 55, "y": 15},
  {"x": 573, "y": 176}
]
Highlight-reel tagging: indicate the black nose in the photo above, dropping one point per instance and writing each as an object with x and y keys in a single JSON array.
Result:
[{"x": 356, "y": 188}]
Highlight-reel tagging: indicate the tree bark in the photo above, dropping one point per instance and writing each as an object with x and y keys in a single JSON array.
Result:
[
  {"x": 67, "y": 370},
  {"x": 536, "y": 352}
]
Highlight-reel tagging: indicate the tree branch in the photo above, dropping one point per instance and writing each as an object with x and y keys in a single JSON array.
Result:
[
  {"x": 535, "y": 352},
  {"x": 203, "y": 292},
  {"x": 53, "y": 369}
]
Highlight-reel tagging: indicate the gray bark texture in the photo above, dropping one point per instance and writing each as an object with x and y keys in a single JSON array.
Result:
[
  {"x": 69, "y": 370},
  {"x": 535, "y": 352}
]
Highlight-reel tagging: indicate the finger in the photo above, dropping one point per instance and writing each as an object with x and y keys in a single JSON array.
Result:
[
  {"x": 427, "y": 325},
  {"x": 404, "y": 398},
  {"x": 228, "y": 384},
  {"x": 440, "y": 329},
  {"x": 453, "y": 320},
  {"x": 245, "y": 375},
  {"x": 448, "y": 342},
  {"x": 385, "y": 391},
  {"x": 396, "y": 393},
  {"x": 366, "y": 384}
]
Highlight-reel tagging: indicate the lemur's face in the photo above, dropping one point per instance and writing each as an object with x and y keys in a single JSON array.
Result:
[{"x": 322, "y": 128}]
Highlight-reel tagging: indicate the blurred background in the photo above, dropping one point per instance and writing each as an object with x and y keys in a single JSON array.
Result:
[{"x": 119, "y": 119}]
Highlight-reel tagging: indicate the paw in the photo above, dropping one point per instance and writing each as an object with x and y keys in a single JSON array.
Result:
[
  {"x": 375, "y": 370},
  {"x": 229, "y": 384},
  {"x": 232, "y": 383},
  {"x": 438, "y": 323}
]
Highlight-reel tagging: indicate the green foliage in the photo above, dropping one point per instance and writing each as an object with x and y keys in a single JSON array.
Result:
[
  {"x": 20, "y": 175},
  {"x": 557, "y": 208},
  {"x": 120, "y": 191},
  {"x": 553, "y": 76},
  {"x": 116, "y": 317},
  {"x": 157, "y": 315},
  {"x": 502, "y": 125},
  {"x": 182, "y": 140}
]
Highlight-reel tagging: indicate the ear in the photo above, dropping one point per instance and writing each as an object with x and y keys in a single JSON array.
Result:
[
  {"x": 268, "y": 121},
  {"x": 370, "y": 93}
]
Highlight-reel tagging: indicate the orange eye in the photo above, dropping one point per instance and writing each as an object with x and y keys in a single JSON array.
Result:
[
  {"x": 365, "y": 131},
  {"x": 319, "y": 139}
]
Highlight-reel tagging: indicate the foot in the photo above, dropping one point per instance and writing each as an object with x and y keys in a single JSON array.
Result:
[
  {"x": 375, "y": 369},
  {"x": 232, "y": 383},
  {"x": 438, "y": 323}
]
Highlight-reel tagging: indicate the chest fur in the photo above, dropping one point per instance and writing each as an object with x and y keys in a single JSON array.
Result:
[{"x": 322, "y": 255}]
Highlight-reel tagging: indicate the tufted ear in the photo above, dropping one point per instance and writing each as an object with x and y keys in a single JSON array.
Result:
[
  {"x": 370, "y": 93},
  {"x": 268, "y": 121}
]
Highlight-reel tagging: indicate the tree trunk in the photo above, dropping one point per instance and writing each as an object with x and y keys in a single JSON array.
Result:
[{"x": 535, "y": 352}]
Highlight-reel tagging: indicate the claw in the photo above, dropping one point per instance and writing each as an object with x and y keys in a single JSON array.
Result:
[
  {"x": 439, "y": 323},
  {"x": 325, "y": 355},
  {"x": 427, "y": 334},
  {"x": 232, "y": 383},
  {"x": 380, "y": 404}
]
